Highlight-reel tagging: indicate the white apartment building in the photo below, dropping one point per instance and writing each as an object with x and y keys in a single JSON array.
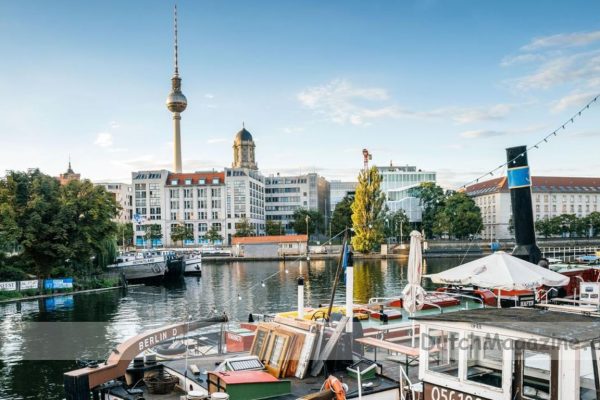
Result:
[
  {"x": 397, "y": 182},
  {"x": 123, "y": 195},
  {"x": 196, "y": 200},
  {"x": 551, "y": 197},
  {"x": 286, "y": 194},
  {"x": 149, "y": 203},
  {"x": 245, "y": 199}
]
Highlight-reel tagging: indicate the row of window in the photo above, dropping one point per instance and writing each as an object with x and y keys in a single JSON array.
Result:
[
  {"x": 201, "y": 181},
  {"x": 189, "y": 193},
  {"x": 571, "y": 208},
  {"x": 189, "y": 204},
  {"x": 580, "y": 198}
]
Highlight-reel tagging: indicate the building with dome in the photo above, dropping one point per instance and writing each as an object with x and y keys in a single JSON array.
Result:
[
  {"x": 69, "y": 175},
  {"x": 244, "y": 150}
]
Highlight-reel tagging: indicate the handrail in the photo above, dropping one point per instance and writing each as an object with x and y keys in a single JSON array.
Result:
[
  {"x": 404, "y": 375},
  {"x": 467, "y": 296},
  {"x": 546, "y": 294}
]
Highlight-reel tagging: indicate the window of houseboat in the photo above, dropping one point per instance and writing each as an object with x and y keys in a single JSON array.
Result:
[
  {"x": 443, "y": 350},
  {"x": 484, "y": 360},
  {"x": 587, "y": 377},
  {"x": 536, "y": 368}
]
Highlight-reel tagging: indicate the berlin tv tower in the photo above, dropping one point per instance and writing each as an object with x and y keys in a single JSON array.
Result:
[{"x": 176, "y": 103}]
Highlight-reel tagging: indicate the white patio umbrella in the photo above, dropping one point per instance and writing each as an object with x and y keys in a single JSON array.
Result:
[
  {"x": 500, "y": 271},
  {"x": 413, "y": 295}
]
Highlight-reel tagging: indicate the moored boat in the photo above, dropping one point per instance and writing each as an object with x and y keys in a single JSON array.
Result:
[
  {"x": 193, "y": 264},
  {"x": 141, "y": 266}
]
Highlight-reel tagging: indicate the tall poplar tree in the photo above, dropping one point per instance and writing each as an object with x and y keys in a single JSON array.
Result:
[{"x": 368, "y": 211}]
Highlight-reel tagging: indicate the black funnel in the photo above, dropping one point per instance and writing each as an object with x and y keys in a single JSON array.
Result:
[{"x": 519, "y": 184}]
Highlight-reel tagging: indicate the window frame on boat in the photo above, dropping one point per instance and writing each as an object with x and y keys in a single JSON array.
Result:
[{"x": 461, "y": 382}]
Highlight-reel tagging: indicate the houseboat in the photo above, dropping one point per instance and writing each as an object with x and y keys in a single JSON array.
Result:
[{"x": 507, "y": 354}]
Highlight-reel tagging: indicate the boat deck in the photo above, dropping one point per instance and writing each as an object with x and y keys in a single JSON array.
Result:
[{"x": 299, "y": 387}]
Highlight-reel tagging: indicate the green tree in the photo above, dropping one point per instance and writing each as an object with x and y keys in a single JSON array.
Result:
[
  {"x": 53, "y": 225},
  {"x": 368, "y": 211},
  {"x": 125, "y": 234},
  {"x": 315, "y": 221},
  {"x": 182, "y": 232},
  {"x": 394, "y": 221},
  {"x": 87, "y": 214},
  {"x": 213, "y": 235},
  {"x": 153, "y": 233},
  {"x": 460, "y": 217},
  {"x": 593, "y": 221},
  {"x": 432, "y": 199},
  {"x": 342, "y": 215},
  {"x": 273, "y": 228},
  {"x": 243, "y": 228},
  {"x": 548, "y": 227},
  {"x": 571, "y": 225}
]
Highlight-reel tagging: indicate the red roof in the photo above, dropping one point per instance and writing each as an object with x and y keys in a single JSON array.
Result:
[
  {"x": 564, "y": 184},
  {"x": 269, "y": 239},
  {"x": 195, "y": 177}
]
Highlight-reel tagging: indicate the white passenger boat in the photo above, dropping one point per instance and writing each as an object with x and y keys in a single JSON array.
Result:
[{"x": 143, "y": 265}]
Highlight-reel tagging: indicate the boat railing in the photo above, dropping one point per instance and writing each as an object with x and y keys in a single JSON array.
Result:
[
  {"x": 406, "y": 385},
  {"x": 434, "y": 305},
  {"x": 544, "y": 296},
  {"x": 467, "y": 296}
]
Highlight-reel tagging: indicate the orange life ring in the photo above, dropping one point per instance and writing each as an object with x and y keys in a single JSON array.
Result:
[{"x": 332, "y": 383}]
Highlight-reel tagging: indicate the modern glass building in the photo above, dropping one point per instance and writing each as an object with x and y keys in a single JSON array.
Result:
[{"x": 397, "y": 182}]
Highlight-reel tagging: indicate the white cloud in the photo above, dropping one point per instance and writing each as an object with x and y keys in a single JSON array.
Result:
[
  {"x": 343, "y": 103},
  {"x": 209, "y": 96},
  {"x": 468, "y": 115},
  {"x": 217, "y": 140},
  {"x": 576, "y": 39},
  {"x": 293, "y": 129},
  {"x": 572, "y": 100},
  {"x": 580, "y": 68},
  {"x": 104, "y": 139},
  {"x": 114, "y": 125},
  {"x": 481, "y": 134},
  {"x": 521, "y": 59}
]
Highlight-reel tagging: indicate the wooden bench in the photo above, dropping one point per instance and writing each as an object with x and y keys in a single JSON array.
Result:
[
  {"x": 410, "y": 353},
  {"x": 386, "y": 345}
]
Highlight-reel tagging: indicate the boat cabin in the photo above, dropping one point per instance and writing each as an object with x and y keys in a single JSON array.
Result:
[{"x": 509, "y": 354}]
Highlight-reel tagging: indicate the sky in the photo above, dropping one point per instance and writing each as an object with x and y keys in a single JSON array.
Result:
[{"x": 443, "y": 85}]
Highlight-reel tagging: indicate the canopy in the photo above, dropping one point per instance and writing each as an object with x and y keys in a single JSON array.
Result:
[
  {"x": 413, "y": 294},
  {"x": 501, "y": 271}
]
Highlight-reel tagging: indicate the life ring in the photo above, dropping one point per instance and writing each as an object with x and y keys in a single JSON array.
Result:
[{"x": 332, "y": 383}]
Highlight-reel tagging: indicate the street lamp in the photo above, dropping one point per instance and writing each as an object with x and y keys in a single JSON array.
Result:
[
  {"x": 307, "y": 236},
  {"x": 387, "y": 233}
]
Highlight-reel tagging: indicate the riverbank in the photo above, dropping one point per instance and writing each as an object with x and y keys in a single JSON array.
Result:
[{"x": 66, "y": 293}]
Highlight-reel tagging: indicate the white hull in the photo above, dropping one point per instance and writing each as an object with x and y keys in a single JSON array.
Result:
[{"x": 193, "y": 266}]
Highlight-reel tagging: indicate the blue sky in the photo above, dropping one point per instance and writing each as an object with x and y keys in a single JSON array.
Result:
[{"x": 444, "y": 85}]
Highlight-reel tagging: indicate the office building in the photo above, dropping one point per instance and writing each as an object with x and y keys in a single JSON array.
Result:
[
  {"x": 286, "y": 194},
  {"x": 398, "y": 183}
]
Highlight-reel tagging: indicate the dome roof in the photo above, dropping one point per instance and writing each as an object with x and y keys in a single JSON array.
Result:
[{"x": 243, "y": 136}]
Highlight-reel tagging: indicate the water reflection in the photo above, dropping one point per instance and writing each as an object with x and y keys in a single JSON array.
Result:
[{"x": 127, "y": 313}]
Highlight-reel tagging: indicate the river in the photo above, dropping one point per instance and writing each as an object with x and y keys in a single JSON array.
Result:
[{"x": 40, "y": 340}]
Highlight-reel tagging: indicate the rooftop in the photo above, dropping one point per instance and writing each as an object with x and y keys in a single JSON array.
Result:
[
  {"x": 573, "y": 328},
  {"x": 543, "y": 184},
  {"x": 195, "y": 178}
]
